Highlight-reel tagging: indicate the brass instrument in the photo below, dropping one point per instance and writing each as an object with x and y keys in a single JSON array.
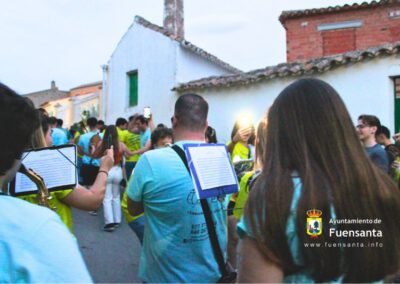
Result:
[{"x": 43, "y": 195}]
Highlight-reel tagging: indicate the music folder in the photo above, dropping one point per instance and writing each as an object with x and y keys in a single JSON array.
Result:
[
  {"x": 56, "y": 165},
  {"x": 211, "y": 170}
]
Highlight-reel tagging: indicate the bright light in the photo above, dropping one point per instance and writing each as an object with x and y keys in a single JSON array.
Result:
[{"x": 245, "y": 119}]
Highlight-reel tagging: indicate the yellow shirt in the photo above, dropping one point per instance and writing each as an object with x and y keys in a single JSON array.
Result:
[
  {"x": 132, "y": 142},
  {"x": 242, "y": 195},
  {"x": 124, "y": 206},
  {"x": 62, "y": 209},
  {"x": 122, "y": 135},
  {"x": 240, "y": 152},
  {"x": 76, "y": 138}
]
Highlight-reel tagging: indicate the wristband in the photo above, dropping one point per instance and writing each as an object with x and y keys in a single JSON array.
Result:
[{"x": 101, "y": 171}]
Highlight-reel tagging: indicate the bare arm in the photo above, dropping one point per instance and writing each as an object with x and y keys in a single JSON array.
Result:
[
  {"x": 254, "y": 267},
  {"x": 151, "y": 123},
  {"x": 135, "y": 208},
  {"x": 125, "y": 151},
  {"x": 91, "y": 199},
  {"x": 239, "y": 136},
  {"x": 146, "y": 148}
]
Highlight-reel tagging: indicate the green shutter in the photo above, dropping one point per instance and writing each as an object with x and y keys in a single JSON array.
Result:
[{"x": 133, "y": 89}]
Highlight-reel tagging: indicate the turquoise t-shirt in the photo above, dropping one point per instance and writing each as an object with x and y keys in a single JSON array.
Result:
[
  {"x": 35, "y": 246},
  {"x": 84, "y": 141},
  {"x": 59, "y": 137},
  {"x": 176, "y": 247},
  {"x": 144, "y": 137}
]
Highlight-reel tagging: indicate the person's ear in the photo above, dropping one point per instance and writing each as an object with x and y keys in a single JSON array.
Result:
[{"x": 174, "y": 121}]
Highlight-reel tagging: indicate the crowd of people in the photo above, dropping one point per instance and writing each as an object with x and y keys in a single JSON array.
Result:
[{"x": 304, "y": 154}]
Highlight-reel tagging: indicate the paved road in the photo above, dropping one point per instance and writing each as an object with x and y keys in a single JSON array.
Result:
[{"x": 110, "y": 257}]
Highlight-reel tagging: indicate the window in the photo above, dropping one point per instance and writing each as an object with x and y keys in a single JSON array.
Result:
[{"x": 133, "y": 88}]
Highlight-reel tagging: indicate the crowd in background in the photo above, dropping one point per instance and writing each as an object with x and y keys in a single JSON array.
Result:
[{"x": 305, "y": 153}]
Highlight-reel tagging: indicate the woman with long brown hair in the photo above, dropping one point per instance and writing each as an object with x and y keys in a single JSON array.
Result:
[
  {"x": 309, "y": 214},
  {"x": 112, "y": 200}
]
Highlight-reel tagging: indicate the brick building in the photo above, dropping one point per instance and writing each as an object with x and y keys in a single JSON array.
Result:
[
  {"x": 315, "y": 33},
  {"x": 355, "y": 48}
]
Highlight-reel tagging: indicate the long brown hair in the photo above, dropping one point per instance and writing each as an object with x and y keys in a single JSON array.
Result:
[
  {"x": 110, "y": 138},
  {"x": 310, "y": 133}
]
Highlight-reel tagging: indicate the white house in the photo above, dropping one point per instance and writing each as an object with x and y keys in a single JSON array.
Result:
[
  {"x": 148, "y": 62},
  {"x": 367, "y": 80},
  {"x": 353, "y": 47}
]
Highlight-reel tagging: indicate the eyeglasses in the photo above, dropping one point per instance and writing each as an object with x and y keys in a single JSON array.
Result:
[{"x": 361, "y": 126}]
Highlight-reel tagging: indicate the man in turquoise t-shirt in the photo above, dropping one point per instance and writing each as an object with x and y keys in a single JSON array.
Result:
[{"x": 176, "y": 245}]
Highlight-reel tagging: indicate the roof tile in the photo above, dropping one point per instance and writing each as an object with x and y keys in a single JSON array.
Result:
[
  {"x": 187, "y": 45},
  {"x": 317, "y": 65}
]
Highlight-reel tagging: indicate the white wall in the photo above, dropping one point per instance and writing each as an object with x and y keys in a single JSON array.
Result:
[
  {"x": 191, "y": 66},
  {"x": 365, "y": 87},
  {"x": 154, "y": 56}
]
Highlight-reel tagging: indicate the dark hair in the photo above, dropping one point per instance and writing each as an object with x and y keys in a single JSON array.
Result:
[
  {"x": 383, "y": 130},
  {"x": 52, "y": 120},
  {"x": 160, "y": 133},
  {"x": 120, "y": 121},
  {"x": 18, "y": 120},
  {"x": 142, "y": 119},
  {"x": 43, "y": 111},
  {"x": 60, "y": 122},
  {"x": 191, "y": 112},
  {"x": 370, "y": 120},
  {"x": 310, "y": 133},
  {"x": 132, "y": 117},
  {"x": 211, "y": 135},
  {"x": 44, "y": 122},
  {"x": 101, "y": 122},
  {"x": 110, "y": 136},
  {"x": 92, "y": 122}
]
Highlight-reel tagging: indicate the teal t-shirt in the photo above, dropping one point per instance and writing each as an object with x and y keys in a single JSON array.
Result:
[
  {"x": 144, "y": 137},
  {"x": 84, "y": 141},
  {"x": 35, "y": 246},
  {"x": 176, "y": 247},
  {"x": 59, "y": 137}
]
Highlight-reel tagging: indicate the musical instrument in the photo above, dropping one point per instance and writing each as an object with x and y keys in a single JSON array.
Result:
[{"x": 43, "y": 195}]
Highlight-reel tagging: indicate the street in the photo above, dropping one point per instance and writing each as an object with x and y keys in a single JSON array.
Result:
[{"x": 110, "y": 257}]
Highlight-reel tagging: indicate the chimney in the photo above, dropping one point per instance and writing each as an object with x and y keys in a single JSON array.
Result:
[
  {"x": 53, "y": 85},
  {"x": 173, "y": 17}
]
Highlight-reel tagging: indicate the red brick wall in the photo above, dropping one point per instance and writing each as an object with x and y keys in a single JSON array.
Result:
[{"x": 304, "y": 41}]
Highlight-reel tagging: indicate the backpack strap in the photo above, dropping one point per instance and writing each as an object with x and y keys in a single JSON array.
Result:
[{"x": 208, "y": 217}]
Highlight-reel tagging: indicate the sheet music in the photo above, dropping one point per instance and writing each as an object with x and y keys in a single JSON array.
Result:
[
  {"x": 55, "y": 169},
  {"x": 212, "y": 166}
]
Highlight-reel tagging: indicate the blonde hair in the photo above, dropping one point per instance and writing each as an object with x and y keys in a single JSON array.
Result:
[{"x": 38, "y": 140}]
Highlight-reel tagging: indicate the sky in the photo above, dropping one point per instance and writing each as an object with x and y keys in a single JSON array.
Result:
[{"x": 68, "y": 40}]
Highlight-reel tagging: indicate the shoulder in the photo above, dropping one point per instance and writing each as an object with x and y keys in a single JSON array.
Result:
[
  {"x": 15, "y": 212},
  {"x": 158, "y": 155}
]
